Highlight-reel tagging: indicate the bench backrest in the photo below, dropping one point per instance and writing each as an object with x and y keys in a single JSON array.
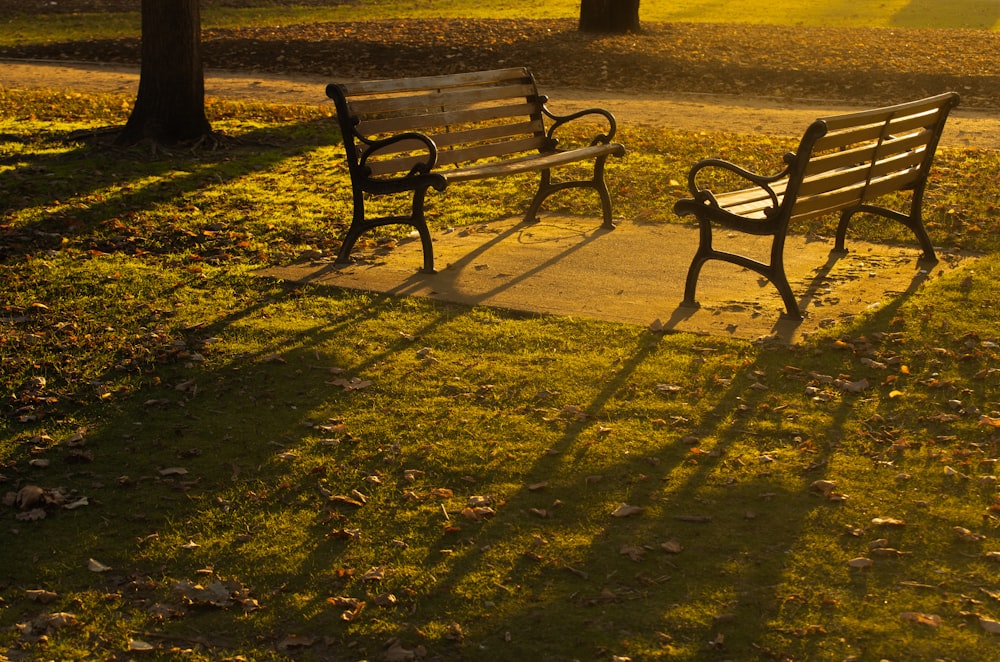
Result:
[
  {"x": 469, "y": 116},
  {"x": 848, "y": 160}
]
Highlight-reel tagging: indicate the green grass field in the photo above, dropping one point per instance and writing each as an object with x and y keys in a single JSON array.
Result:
[{"x": 197, "y": 463}]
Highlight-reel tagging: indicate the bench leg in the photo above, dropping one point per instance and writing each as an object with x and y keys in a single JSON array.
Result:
[
  {"x": 360, "y": 225},
  {"x": 774, "y": 272},
  {"x": 602, "y": 190},
  {"x": 914, "y": 222},
  {"x": 701, "y": 256},
  {"x": 598, "y": 183}
]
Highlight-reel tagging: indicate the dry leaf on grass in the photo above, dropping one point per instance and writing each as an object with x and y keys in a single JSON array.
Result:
[
  {"x": 626, "y": 510},
  {"x": 988, "y": 624},
  {"x": 933, "y": 620},
  {"x": 96, "y": 566}
]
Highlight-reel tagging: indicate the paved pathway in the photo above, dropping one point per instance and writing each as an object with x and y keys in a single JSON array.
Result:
[{"x": 742, "y": 114}]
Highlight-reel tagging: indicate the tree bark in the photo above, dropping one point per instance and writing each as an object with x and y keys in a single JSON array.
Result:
[
  {"x": 609, "y": 16},
  {"x": 170, "y": 105}
]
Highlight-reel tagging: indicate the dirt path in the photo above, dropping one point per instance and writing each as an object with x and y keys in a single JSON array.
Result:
[{"x": 741, "y": 114}]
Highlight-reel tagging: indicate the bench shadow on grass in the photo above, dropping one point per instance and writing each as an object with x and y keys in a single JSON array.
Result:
[
  {"x": 728, "y": 567},
  {"x": 727, "y": 564}
]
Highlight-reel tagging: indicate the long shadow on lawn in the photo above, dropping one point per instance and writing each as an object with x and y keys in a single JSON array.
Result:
[
  {"x": 92, "y": 196},
  {"x": 588, "y": 586},
  {"x": 720, "y": 565}
]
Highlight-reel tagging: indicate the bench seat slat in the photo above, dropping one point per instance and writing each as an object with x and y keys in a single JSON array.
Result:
[
  {"x": 531, "y": 163},
  {"x": 448, "y": 157}
]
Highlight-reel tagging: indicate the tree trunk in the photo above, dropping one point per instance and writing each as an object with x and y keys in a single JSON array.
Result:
[
  {"x": 610, "y": 16},
  {"x": 170, "y": 104}
]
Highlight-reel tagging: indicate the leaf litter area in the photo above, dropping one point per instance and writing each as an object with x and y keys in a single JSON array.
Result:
[{"x": 869, "y": 66}]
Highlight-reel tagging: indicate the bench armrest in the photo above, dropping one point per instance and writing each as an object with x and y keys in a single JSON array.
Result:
[
  {"x": 374, "y": 146},
  {"x": 704, "y": 195},
  {"x": 560, "y": 120}
]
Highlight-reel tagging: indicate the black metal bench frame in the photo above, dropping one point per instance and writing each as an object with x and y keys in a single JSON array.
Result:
[
  {"x": 843, "y": 163},
  {"x": 411, "y": 135}
]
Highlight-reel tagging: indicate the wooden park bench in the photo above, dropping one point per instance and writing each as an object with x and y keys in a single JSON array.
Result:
[
  {"x": 413, "y": 134},
  {"x": 842, "y": 165}
]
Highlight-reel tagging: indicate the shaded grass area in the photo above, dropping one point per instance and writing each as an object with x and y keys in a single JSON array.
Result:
[{"x": 227, "y": 465}]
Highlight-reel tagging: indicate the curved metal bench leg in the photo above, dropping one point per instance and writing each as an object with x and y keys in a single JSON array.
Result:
[
  {"x": 357, "y": 228},
  {"x": 602, "y": 190},
  {"x": 780, "y": 281},
  {"x": 845, "y": 219},
  {"x": 701, "y": 256},
  {"x": 418, "y": 221},
  {"x": 544, "y": 190}
]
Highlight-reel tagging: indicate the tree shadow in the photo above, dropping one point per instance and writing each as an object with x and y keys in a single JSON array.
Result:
[{"x": 118, "y": 184}]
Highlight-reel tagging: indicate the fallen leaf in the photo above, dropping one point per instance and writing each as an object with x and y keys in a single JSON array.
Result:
[
  {"x": 634, "y": 552},
  {"x": 672, "y": 547},
  {"x": 933, "y": 620},
  {"x": 54, "y": 621},
  {"x": 966, "y": 535},
  {"x": 97, "y": 566},
  {"x": 852, "y": 387},
  {"x": 295, "y": 641},
  {"x": 353, "y": 384},
  {"x": 32, "y": 515},
  {"x": 861, "y": 562},
  {"x": 139, "y": 646},
  {"x": 626, "y": 510},
  {"x": 28, "y": 496},
  {"x": 988, "y": 624},
  {"x": 374, "y": 575},
  {"x": 40, "y": 595},
  {"x": 396, "y": 653},
  {"x": 79, "y": 503},
  {"x": 173, "y": 471}
]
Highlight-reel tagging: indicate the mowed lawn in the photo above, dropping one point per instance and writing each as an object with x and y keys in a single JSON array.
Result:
[{"x": 198, "y": 463}]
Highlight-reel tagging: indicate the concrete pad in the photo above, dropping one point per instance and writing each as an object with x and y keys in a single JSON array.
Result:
[{"x": 634, "y": 274}]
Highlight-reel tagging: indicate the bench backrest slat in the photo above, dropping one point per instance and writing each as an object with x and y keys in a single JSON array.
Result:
[
  {"x": 440, "y": 100},
  {"x": 427, "y": 122},
  {"x": 358, "y": 88}
]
